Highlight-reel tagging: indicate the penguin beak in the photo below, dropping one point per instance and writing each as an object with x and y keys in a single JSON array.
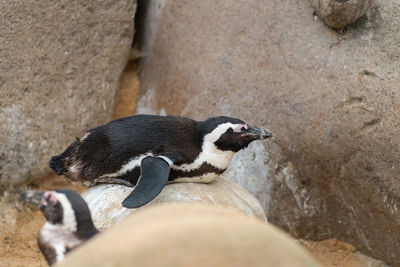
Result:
[
  {"x": 258, "y": 133},
  {"x": 35, "y": 198}
]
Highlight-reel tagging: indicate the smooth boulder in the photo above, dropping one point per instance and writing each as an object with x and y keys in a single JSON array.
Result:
[
  {"x": 190, "y": 235},
  {"x": 104, "y": 201}
]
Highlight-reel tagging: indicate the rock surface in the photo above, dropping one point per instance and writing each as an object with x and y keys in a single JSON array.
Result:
[
  {"x": 59, "y": 72},
  {"x": 190, "y": 235},
  {"x": 338, "y": 13},
  {"x": 334, "y": 253},
  {"x": 104, "y": 201},
  {"x": 331, "y": 99}
]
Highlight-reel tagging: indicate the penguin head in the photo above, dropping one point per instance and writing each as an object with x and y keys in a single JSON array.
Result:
[
  {"x": 63, "y": 207},
  {"x": 230, "y": 134}
]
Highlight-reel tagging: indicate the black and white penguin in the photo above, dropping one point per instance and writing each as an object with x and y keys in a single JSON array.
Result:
[
  {"x": 68, "y": 222},
  {"x": 148, "y": 151}
]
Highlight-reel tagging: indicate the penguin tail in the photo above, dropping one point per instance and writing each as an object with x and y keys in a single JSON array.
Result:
[{"x": 56, "y": 163}]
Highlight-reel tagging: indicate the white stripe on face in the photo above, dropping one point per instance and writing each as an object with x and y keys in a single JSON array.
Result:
[{"x": 69, "y": 220}]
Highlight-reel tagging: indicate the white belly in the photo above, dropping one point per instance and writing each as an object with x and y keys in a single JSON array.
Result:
[{"x": 59, "y": 237}]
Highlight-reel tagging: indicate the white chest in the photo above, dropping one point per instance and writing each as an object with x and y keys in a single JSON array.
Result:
[
  {"x": 59, "y": 238},
  {"x": 210, "y": 155}
]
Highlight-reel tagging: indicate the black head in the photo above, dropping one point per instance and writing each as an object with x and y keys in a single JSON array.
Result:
[
  {"x": 63, "y": 207},
  {"x": 210, "y": 124},
  {"x": 47, "y": 202},
  {"x": 230, "y": 134}
]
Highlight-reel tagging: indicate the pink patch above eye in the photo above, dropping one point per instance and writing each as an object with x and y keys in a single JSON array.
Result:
[
  {"x": 239, "y": 128},
  {"x": 49, "y": 196}
]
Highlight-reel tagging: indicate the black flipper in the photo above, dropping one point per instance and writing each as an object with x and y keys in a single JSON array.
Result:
[{"x": 154, "y": 176}]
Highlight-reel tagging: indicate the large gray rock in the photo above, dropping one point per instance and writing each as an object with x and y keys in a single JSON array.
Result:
[
  {"x": 104, "y": 201},
  {"x": 190, "y": 235},
  {"x": 60, "y": 66},
  {"x": 331, "y": 99}
]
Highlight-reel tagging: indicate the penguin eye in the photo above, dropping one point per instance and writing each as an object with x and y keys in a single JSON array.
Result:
[
  {"x": 50, "y": 198},
  {"x": 239, "y": 129}
]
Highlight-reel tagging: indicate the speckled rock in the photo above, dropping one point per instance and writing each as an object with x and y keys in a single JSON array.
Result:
[
  {"x": 105, "y": 200},
  {"x": 331, "y": 98},
  {"x": 60, "y": 66},
  {"x": 190, "y": 235},
  {"x": 340, "y": 13}
]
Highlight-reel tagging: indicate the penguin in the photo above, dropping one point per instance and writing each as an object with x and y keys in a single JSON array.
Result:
[
  {"x": 149, "y": 151},
  {"x": 68, "y": 222}
]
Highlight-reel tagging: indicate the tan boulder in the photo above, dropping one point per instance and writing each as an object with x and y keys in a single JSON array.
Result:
[
  {"x": 105, "y": 200},
  {"x": 59, "y": 73},
  {"x": 194, "y": 235}
]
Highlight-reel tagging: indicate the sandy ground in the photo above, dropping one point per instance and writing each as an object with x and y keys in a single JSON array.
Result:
[
  {"x": 332, "y": 252},
  {"x": 19, "y": 227},
  {"x": 19, "y": 223},
  {"x": 129, "y": 87}
]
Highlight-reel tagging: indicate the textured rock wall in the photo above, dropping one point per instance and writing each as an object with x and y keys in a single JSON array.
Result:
[
  {"x": 331, "y": 99},
  {"x": 59, "y": 72}
]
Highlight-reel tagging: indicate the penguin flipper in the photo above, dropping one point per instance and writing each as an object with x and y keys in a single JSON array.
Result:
[{"x": 154, "y": 175}]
